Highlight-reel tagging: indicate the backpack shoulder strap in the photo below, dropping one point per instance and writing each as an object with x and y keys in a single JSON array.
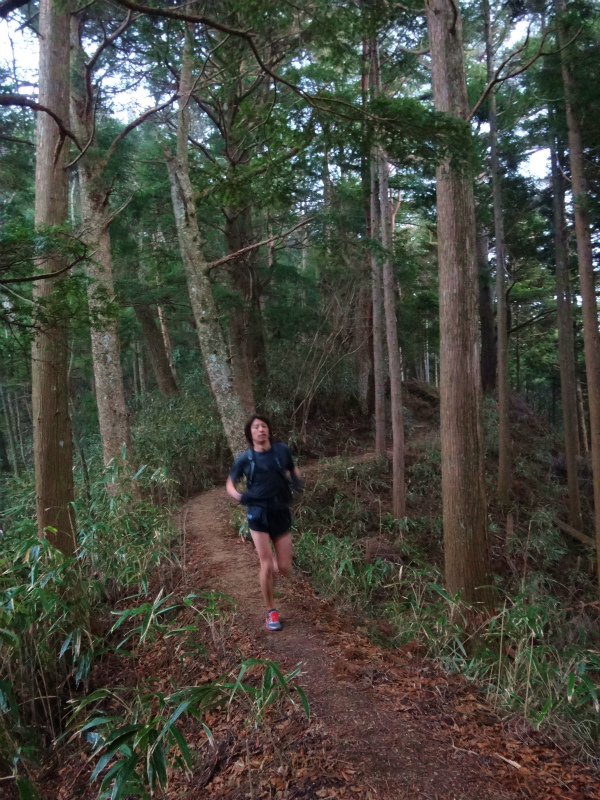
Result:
[
  {"x": 250, "y": 455},
  {"x": 277, "y": 446}
]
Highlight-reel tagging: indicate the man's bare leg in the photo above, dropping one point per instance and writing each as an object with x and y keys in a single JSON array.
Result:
[
  {"x": 262, "y": 542},
  {"x": 283, "y": 550}
]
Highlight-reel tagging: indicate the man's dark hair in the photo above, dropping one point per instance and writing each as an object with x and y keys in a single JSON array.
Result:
[{"x": 248, "y": 425}]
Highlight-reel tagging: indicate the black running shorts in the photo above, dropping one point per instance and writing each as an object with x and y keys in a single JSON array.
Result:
[{"x": 274, "y": 521}]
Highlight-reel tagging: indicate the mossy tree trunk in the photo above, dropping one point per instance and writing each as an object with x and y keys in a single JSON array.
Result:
[{"x": 204, "y": 308}]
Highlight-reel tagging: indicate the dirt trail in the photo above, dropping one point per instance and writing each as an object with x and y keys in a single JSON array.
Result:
[{"x": 350, "y": 687}]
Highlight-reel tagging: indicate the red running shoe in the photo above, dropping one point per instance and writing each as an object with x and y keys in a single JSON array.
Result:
[{"x": 272, "y": 621}]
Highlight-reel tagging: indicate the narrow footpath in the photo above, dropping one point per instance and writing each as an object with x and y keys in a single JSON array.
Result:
[{"x": 407, "y": 729}]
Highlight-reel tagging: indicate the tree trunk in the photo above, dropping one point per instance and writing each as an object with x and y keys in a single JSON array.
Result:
[
  {"x": 363, "y": 319},
  {"x": 376, "y": 280},
  {"x": 426, "y": 355},
  {"x": 12, "y": 447},
  {"x": 167, "y": 341},
  {"x": 113, "y": 416},
  {"x": 210, "y": 336},
  {"x": 587, "y": 283},
  {"x": 389, "y": 299},
  {"x": 504, "y": 443},
  {"x": 156, "y": 348},
  {"x": 141, "y": 368},
  {"x": 240, "y": 274},
  {"x": 135, "y": 370},
  {"x": 52, "y": 448},
  {"x": 466, "y": 548},
  {"x": 565, "y": 341},
  {"x": 19, "y": 429},
  {"x": 363, "y": 347},
  {"x": 489, "y": 359},
  {"x": 378, "y": 353},
  {"x": 4, "y": 459},
  {"x": 583, "y": 432}
]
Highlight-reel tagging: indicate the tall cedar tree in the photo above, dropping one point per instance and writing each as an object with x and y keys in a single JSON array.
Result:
[
  {"x": 504, "y": 444},
  {"x": 466, "y": 548},
  {"x": 52, "y": 447},
  {"x": 587, "y": 282}
]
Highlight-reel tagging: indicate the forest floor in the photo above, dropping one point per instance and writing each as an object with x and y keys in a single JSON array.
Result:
[
  {"x": 390, "y": 724},
  {"x": 385, "y": 722}
]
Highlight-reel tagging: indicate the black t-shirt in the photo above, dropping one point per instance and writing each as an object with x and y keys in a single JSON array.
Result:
[{"x": 268, "y": 487}]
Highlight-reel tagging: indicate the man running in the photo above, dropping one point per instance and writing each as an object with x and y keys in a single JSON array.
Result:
[{"x": 268, "y": 467}]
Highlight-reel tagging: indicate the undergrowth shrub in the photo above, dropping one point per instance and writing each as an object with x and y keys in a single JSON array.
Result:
[
  {"x": 135, "y": 732},
  {"x": 50, "y": 606},
  {"x": 181, "y": 441},
  {"x": 55, "y": 625},
  {"x": 537, "y": 656}
]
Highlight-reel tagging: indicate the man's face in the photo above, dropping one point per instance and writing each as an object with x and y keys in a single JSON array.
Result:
[{"x": 259, "y": 431}]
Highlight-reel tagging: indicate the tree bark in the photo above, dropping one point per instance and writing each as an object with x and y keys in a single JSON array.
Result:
[
  {"x": 583, "y": 433},
  {"x": 210, "y": 336},
  {"x": 376, "y": 279},
  {"x": 489, "y": 359},
  {"x": 141, "y": 368},
  {"x": 504, "y": 443},
  {"x": 587, "y": 283},
  {"x": 113, "y": 416},
  {"x": 466, "y": 548},
  {"x": 167, "y": 341},
  {"x": 391, "y": 329},
  {"x": 52, "y": 448},
  {"x": 241, "y": 275},
  {"x": 14, "y": 404},
  {"x": 363, "y": 347},
  {"x": 566, "y": 351},
  {"x": 12, "y": 445},
  {"x": 154, "y": 341}
]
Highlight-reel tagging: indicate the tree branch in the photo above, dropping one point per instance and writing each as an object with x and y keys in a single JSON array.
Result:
[
  {"x": 15, "y": 139},
  {"x": 218, "y": 26},
  {"x": 539, "y": 53},
  {"x": 8, "y": 6},
  {"x": 136, "y": 122},
  {"x": 47, "y": 275},
  {"x": 250, "y": 247},
  {"x": 108, "y": 40},
  {"x": 25, "y": 102},
  {"x": 532, "y": 320}
]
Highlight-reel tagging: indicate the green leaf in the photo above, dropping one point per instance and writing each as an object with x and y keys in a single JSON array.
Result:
[
  {"x": 571, "y": 687},
  {"x": 66, "y": 644},
  {"x": 159, "y": 762},
  {"x": 8, "y": 637},
  {"x": 303, "y": 700},
  {"x": 442, "y": 592},
  {"x": 182, "y": 745},
  {"x": 26, "y": 789},
  {"x": 93, "y": 723},
  {"x": 122, "y": 785}
]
